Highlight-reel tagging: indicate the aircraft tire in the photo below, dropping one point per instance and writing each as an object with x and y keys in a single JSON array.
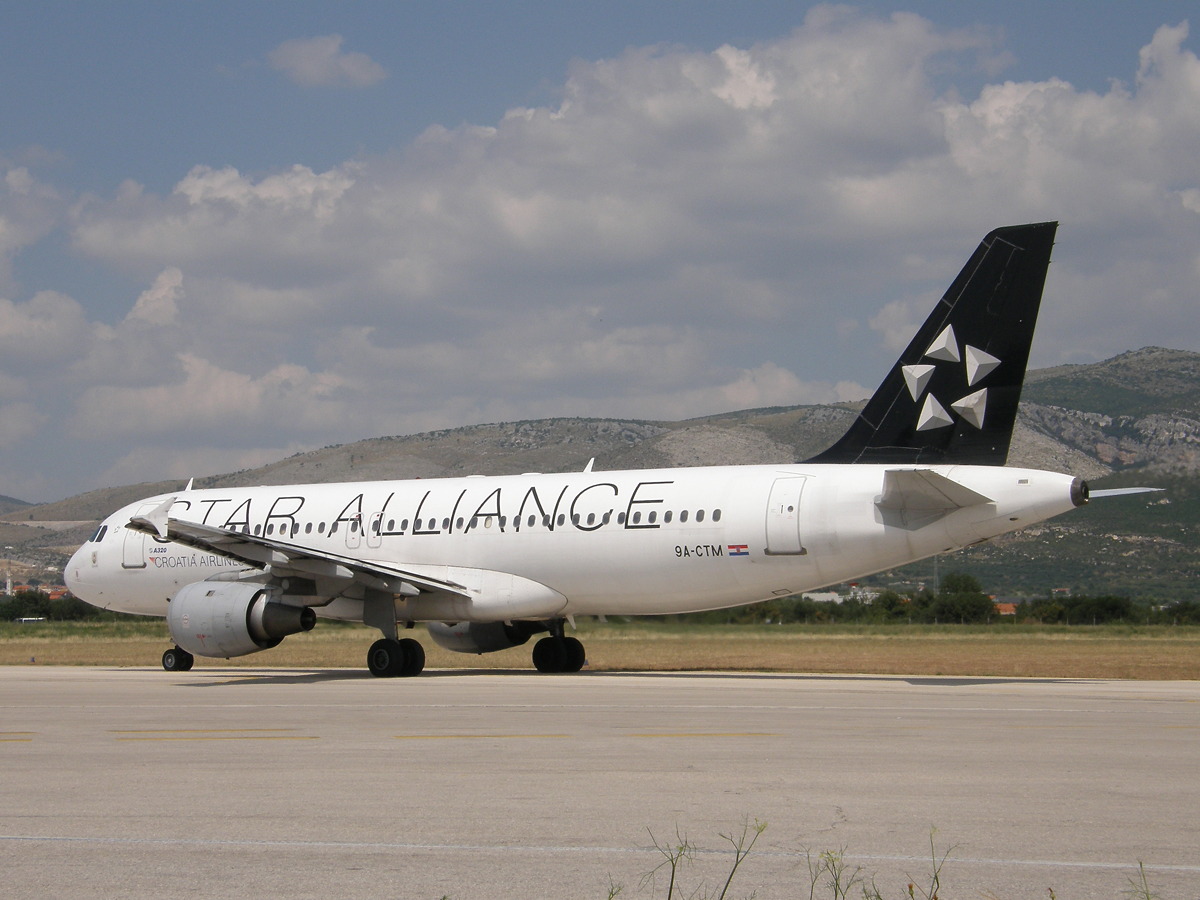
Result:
[
  {"x": 177, "y": 660},
  {"x": 414, "y": 657},
  {"x": 386, "y": 658},
  {"x": 575, "y": 655},
  {"x": 549, "y": 655},
  {"x": 187, "y": 662}
]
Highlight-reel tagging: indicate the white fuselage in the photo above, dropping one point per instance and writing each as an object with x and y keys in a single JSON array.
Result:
[{"x": 629, "y": 542}]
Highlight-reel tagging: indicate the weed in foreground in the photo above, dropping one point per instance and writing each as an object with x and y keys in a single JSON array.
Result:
[{"x": 830, "y": 875}]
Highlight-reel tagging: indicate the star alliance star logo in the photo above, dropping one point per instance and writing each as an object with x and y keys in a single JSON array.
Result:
[{"x": 972, "y": 407}]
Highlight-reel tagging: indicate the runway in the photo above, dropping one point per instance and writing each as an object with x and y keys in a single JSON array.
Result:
[{"x": 297, "y": 784}]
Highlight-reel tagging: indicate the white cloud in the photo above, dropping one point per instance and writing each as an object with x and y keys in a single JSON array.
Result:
[
  {"x": 159, "y": 305},
  {"x": 29, "y": 209},
  {"x": 684, "y": 233},
  {"x": 320, "y": 61}
]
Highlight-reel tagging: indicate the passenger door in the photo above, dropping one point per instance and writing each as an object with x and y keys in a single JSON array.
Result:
[{"x": 783, "y": 517}]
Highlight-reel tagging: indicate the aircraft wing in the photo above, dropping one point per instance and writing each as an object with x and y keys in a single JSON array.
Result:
[{"x": 287, "y": 559}]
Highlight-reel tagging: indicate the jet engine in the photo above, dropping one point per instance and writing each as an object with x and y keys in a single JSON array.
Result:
[
  {"x": 225, "y": 619},
  {"x": 482, "y": 637}
]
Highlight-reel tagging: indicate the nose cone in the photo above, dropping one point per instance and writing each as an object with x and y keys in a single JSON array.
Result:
[{"x": 76, "y": 573}]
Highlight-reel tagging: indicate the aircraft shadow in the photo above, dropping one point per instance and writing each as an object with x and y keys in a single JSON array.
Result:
[{"x": 216, "y": 678}]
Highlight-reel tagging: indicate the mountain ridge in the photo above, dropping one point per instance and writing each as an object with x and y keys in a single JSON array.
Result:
[{"x": 1130, "y": 418}]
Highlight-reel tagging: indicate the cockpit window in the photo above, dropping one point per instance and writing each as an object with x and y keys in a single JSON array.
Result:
[{"x": 100, "y": 532}]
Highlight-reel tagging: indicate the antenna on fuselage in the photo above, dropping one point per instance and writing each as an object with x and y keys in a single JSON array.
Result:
[{"x": 591, "y": 462}]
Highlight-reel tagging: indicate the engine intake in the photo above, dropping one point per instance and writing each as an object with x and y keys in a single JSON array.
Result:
[{"x": 227, "y": 619}]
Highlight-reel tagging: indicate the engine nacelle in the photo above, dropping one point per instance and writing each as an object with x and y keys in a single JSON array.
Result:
[
  {"x": 482, "y": 637},
  {"x": 225, "y": 619}
]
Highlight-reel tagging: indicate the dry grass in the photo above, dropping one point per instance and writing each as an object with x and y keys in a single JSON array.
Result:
[{"x": 1034, "y": 651}]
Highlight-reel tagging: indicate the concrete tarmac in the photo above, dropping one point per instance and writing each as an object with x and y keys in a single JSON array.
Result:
[{"x": 323, "y": 784}]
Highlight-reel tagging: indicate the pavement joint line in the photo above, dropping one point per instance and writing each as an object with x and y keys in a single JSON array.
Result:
[
  {"x": 443, "y": 737},
  {"x": 715, "y": 734},
  {"x": 196, "y": 730},
  {"x": 510, "y": 848},
  {"x": 224, "y": 737}
]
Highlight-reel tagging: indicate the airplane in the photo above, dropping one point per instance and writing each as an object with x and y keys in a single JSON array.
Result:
[{"x": 486, "y": 563}]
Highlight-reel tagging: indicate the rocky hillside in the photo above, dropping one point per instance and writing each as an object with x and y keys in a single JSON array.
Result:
[{"x": 1136, "y": 416}]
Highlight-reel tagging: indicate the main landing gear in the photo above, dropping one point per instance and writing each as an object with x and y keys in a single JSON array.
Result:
[
  {"x": 558, "y": 653},
  {"x": 390, "y": 658},
  {"x": 177, "y": 660}
]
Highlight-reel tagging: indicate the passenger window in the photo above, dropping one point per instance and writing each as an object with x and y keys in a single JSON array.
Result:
[
  {"x": 621, "y": 518},
  {"x": 683, "y": 515},
  {"x": 699, "y": 515},
  {"x": 575, "y": 518},
  {"x": 271, "y": 529},
  {"x": 532, "y": 521},
  {"x": 652, "y": 517},
  {"x": 391, "y": 524},
  {"x": 474, "y": 521},
  {"x": 256, "y": 529},
  {"x": 333, "y": 529},
  {"x": 487, "y": 521},
  {"x": 716, "y": 515},
  {"x": 417, "y": 525},
  {"x": 404, "y": 525},
  {"x": 561, "y": 518},
  {"x": 320, "y": 528},
  {"x": 637, "y": 517},
  {"x": 308, "y": 527},
  {"x": 545, "y": 521},
  {"x": 354, "y": 526},
  {"x": 296, "y": 528},
  {"x": 445, "y": 524},
  {"x": 607, "y": 516},
  {"x": 667, "y": 517},
  {"x": 591, "y": 518}
]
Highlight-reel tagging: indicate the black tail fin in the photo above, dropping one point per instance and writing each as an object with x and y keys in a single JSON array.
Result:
[{"x": 952, "y": 396}]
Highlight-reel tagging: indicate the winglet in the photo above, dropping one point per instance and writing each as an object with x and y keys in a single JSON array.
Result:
[
  {"x": 189, "y": 484},
  {"x": 591, "y": 462},
  {"x": 156, "y": 518}
]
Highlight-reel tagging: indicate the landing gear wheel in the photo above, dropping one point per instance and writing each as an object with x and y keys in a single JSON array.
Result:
[
  {"x": 549, "y": 655},
  {"x": 176, "y": 660},
  {"x": 386, "y": 658},
  {"x": 414, "y": 657},
  {"x": 575, "y": 655}
]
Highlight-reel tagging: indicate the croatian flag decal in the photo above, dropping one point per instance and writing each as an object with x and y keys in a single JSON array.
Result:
[{"x": 739, "y": 550}]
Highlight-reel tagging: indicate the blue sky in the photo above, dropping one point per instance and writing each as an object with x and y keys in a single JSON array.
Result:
[{"x": 374, "y": 242}]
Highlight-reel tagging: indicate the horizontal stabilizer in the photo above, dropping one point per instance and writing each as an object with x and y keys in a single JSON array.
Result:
[
  {"x": 912, "y": 498},
  {"x": 1121, "y": 492}
]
